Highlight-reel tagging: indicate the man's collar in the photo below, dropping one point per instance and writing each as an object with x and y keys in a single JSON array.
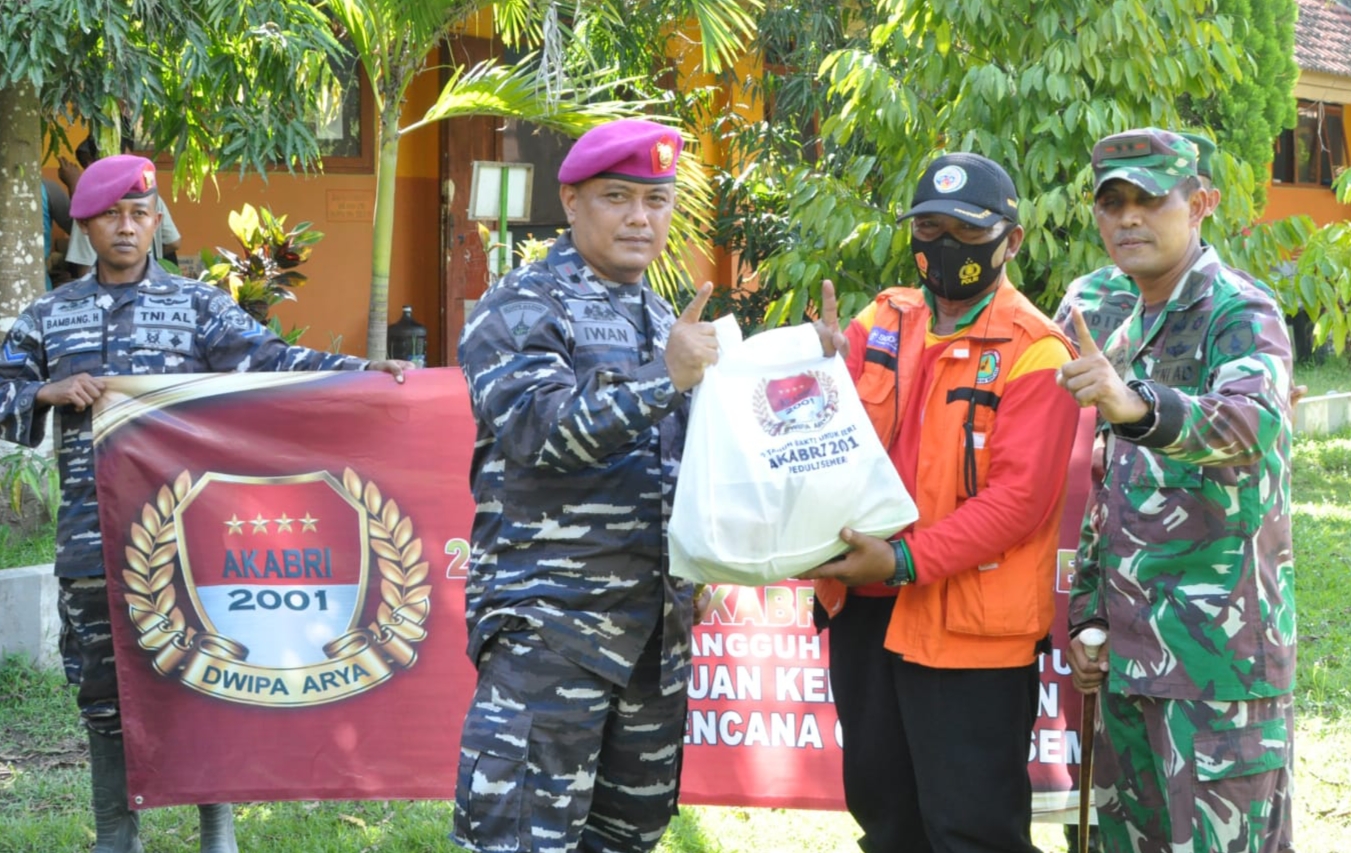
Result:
[{"x": 972, "y": 313}]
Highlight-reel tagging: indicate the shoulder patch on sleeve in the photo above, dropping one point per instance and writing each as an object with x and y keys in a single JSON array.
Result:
[
  {"x": 22, "y": 330},
  {"x": 520, "y": 318},
  {"x": 1235, "y": 342}
]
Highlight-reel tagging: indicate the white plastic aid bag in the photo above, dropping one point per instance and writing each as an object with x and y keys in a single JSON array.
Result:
[{"x": 779, "y": 456}]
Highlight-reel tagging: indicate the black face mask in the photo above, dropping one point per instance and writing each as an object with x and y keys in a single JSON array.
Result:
[{"x": 956, "y": 270}]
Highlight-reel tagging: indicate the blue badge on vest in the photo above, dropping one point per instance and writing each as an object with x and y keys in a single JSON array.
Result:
[{"x": 887, "y": 340}]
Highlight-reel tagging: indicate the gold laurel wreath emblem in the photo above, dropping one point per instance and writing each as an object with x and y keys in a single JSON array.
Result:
[{"x": 152, "y": 563}]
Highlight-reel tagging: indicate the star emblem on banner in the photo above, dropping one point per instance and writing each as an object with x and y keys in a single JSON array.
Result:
[
  {"x": 235, "y": 525},
  {"x": 308, "y": 524},
  {"x": 284, "y": 523},
  {"x": 259, "y": 524}
]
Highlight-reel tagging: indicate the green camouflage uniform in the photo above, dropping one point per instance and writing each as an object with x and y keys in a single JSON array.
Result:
[
  {"x": 1185, "y": 557},
  {"x": 1106, "y": 297}
]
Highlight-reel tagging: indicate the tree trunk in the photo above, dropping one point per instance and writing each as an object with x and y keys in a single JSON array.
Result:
[
  {"x": 23, "y": 260},
  {"x": 386, "y": 178}
]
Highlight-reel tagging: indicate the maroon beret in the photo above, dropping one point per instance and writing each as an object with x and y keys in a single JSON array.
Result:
[
  {"x": 107, "y": 180},
  {"x": 630, "y": 149}
]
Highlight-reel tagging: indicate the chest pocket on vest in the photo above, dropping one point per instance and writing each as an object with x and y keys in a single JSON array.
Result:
[
  {"x": 164, "y": 324},
  {"x": 973, "y": 464},
  {"x": 72, "y": 334},
  {"x": 604, "y": 338}
]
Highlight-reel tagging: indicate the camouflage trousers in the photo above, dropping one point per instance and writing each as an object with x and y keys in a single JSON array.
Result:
[
  {"x": 87, "y": 652},
  {"x": 1183, "y": 776},
  {"x": 554, "y": 758}
]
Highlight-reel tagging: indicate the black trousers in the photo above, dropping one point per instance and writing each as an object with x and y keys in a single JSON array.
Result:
[{"x": 935, "y": 760}]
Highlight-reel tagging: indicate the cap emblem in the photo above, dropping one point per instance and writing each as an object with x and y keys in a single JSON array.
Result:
[
  {"x": 1125, "y": 148},
  {"x": 663, "y": 155},
  {"x": 949, "y": 179}
]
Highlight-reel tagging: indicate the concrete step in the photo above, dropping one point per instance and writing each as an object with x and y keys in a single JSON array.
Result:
[{"x": 29, "y": 622}]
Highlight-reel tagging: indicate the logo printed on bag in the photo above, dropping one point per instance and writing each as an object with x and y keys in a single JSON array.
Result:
[
  {"x": 802, "y": 402},
  {"x": 988, "y": 370}
]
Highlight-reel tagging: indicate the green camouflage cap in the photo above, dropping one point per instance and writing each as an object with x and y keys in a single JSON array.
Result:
[
  {"x": 1154, "y": 160},
  {"x": 1205, "y": 149}
]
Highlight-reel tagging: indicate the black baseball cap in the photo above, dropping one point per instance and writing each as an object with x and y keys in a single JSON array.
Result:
[{"x": 970, "y": 187}]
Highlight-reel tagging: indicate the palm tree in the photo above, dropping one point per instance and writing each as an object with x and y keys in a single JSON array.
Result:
[{"x": 392, "y": 39}]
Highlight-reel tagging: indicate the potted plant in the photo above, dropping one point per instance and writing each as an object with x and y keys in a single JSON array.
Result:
[{"x": 264, "y": 272}]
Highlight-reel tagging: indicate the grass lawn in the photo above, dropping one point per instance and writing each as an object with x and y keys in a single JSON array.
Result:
[
  {"x": 44, "y": 777},
  {"x": 32, "y": 550},
  {"x": 1330, "y": 377}
]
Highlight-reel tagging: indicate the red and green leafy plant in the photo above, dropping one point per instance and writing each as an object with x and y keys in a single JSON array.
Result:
[{"x": 264, "y": 272}]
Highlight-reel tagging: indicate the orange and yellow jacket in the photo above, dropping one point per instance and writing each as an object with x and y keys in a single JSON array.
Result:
[{"x": 988, "y": 475}]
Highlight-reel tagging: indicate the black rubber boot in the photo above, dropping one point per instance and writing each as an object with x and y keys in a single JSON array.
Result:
[
  {"x": 117, "y": 828},
  {"x": 218, "y": 828}
]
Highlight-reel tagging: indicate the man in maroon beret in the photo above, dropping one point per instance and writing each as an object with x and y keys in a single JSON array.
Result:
[
  {"x": 579, "y": 377},
  {"x": 80, "y": 254},
  {"x": 113, "y": 322}
]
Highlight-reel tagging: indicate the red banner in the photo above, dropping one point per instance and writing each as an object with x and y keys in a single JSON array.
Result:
[
  {"x": 762, "y": 726},
  {"x": 287, "y": 556}
]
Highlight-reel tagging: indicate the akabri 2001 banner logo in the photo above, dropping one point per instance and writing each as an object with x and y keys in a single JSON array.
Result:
[{"x": 260, "y": 590}]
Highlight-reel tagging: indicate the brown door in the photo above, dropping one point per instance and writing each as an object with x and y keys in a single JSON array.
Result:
[{"x": 466, "y": 139}]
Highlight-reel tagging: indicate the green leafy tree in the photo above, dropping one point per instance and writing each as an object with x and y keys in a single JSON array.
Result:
[
  {"x": 392, "y": 39},
  {"x": 1310, "y": 267},
  {"x": 22, "y": 257},
  {"x": 793, "y": 37},
  {"x": 216, "y": 84},
  {"x": 1247, "y": 116},
  {"x": 1031, "y": 85}
]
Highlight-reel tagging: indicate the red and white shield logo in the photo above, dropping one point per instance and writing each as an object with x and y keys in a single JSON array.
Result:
[
  {"x": 795, "y": 399},
  {"x": 276, "y": 564}
]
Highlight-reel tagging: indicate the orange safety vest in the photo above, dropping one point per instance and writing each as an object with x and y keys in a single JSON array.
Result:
[{"x": 986, "y": 617}]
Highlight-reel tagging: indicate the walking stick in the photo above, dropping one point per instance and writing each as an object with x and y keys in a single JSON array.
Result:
[{"x": 1092, "y": 639}]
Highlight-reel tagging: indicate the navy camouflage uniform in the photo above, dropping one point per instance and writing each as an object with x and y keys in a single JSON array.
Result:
[
  {"x": 164, "y": 324},
  {"x": 580, "y": 635},
  {"x": 1185, "y": 556}
]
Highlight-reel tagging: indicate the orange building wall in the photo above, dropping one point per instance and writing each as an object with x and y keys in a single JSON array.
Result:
[
  {"x": 334, "y": 302},
  {"x": 1318, "y": 202}
]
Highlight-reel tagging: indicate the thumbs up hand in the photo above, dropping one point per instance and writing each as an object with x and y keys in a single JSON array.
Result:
[
  {"x": 693, "y": 344},
  {"x": 1094, "y": 382}
]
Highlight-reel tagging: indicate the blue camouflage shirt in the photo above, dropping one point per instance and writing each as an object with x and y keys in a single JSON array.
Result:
[
  {"x": 164, "y": 324},
  {"x": 580, "y": 432}
]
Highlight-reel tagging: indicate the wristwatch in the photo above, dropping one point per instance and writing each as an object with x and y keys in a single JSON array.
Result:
[
  {"x": 903, "y": 574},
  {"x": 1146, "y": 393}
]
